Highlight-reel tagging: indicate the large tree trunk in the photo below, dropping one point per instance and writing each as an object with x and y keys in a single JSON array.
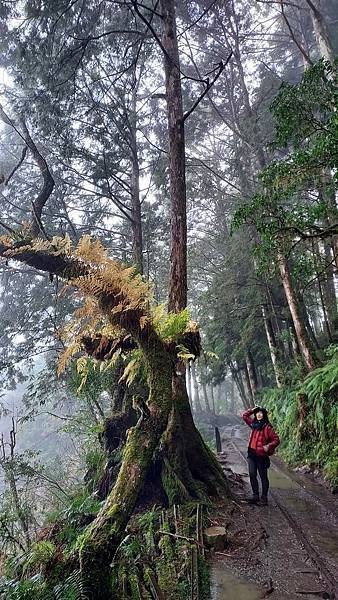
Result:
[
  {"x": 105, "y": 533},
  {"x": 184, "y": 446},
  {"x": 302, "y": 337},
  {"x": 178, "y": 252},
  {"x": 135, "y": 189}
]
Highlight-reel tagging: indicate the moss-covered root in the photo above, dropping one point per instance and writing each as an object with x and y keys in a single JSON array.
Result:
[
  {"x": 101, "y": 539},
  {"x": 202, "y": 463}
]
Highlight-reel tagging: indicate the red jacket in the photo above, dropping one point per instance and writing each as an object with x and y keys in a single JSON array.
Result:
[{"x": 263, "y": 437}]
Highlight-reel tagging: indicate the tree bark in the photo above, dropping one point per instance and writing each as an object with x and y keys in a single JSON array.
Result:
[
  {"x": 206, "y": 398},
  {"x": 196, "y": 395},
  {"x": 248, "y": 385},
  {"x": 329, "y": 292},
  {"x": 189, "y": 383},
  {"x": 321, "y": 34},
  {"x": 302, "y": 337},
  {"x": 178, "y": 251},
  {"x": 135, "y": 189},
  {"x": 251, "y": 369},
  {"x": 212, "y": 393},
  {"x": 270, "y": 335},
  {"x": 103, "y": 536},
  {"x": 236, "y": 375}
]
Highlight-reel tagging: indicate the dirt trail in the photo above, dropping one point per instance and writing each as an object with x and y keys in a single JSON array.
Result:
[{"x": 297, "y": 551}]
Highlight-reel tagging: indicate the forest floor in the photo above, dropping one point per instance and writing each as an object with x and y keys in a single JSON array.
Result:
[{"x": 287, "y": 550}]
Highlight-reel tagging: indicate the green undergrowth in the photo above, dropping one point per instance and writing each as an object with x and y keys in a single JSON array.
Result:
[
  {"x": 306, "y": 417},
  {"x": 157, "y": 557},
  {"x": 159, "y": 554},
  {"x": 39, "y": 572},
  {"x": 38, "y": 588}
]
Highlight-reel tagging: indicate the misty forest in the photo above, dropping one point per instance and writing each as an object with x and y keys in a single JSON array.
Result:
[{"x": 168, "y": 261}]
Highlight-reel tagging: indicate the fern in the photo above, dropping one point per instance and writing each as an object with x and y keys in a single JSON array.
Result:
[
  {"x": 39, "y": 555},
  {"x": 319, "y": 446},
  {"x": 135, "y": 369},
  {"x": 71, "y": 589},
  {"x": 34, "y": 588},
  {"x": 170, "y": 326}
]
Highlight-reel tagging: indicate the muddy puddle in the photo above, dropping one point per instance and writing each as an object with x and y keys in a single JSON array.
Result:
[
  {"x": 280, "y": 481},
  {"x": 225, "y": 585}
]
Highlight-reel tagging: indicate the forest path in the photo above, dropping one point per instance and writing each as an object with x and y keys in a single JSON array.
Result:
[{"x": 298, "y": 549}]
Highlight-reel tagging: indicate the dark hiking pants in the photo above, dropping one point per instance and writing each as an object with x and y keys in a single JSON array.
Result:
[{"x": 260, "y": 464}]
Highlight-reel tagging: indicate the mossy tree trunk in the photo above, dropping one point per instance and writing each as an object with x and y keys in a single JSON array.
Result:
[
  {"x": 169, "y": 427},
  {"x": 102, "y": 538}
]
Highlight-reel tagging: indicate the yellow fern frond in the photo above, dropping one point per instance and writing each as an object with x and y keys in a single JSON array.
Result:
[
  {"x": 82, "y": 368},
  {"x": 143, "y": 321},
  {"x": 61, "y": 245},
  {"x": 91, "y": 250},
  {"x": 65, "y": 357},
  {"x": 6, "y": 240}
]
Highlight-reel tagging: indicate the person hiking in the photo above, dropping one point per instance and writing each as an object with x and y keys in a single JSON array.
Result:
[{"x": 262, "y": 444}]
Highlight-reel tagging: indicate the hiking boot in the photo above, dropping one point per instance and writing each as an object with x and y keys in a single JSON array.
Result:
[
  {"x": 253, "y": 500},
  {"x": 263, "y": 501}
]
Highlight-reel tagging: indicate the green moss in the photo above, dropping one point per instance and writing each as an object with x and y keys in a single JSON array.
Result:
[{"x": 174, "y": 488}]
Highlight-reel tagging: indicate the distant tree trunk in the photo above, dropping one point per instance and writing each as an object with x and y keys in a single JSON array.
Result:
[
  {"x": 135, "y": 189},
  {"x": 248, "y": 385},
  {"x": 237, "y": 377},
  {"x": 328, "y": 326},
  {"x": 251, "y": 369},
  {"x": 206, "y": 398},
  {"x": 196, "y": 394},
  {"x": 305, "y": 317},
  {"x": 219, "y": 398},
  {"x": 178, "y": 252},
  {"x": 319, "y": 26},
  {"x": 189, "y": 383},
  {"x": 294, "y": 342},
  {"x": 9, "y": 475},
  {"x": 328, "y": 284},
  {"x": 275, "y": 323},
  {"x": 232, "y": 396},
  {"x": 302, "y": 337},
  {"x": 270, "y": 335},
  {"x": 212, "y": 393}
]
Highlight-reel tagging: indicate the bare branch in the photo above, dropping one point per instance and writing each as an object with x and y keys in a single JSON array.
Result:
[
  {"x": 210, "y": 84},
  {"x": 293, "y": 37},
  {"x": 23, "y": 156}
]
